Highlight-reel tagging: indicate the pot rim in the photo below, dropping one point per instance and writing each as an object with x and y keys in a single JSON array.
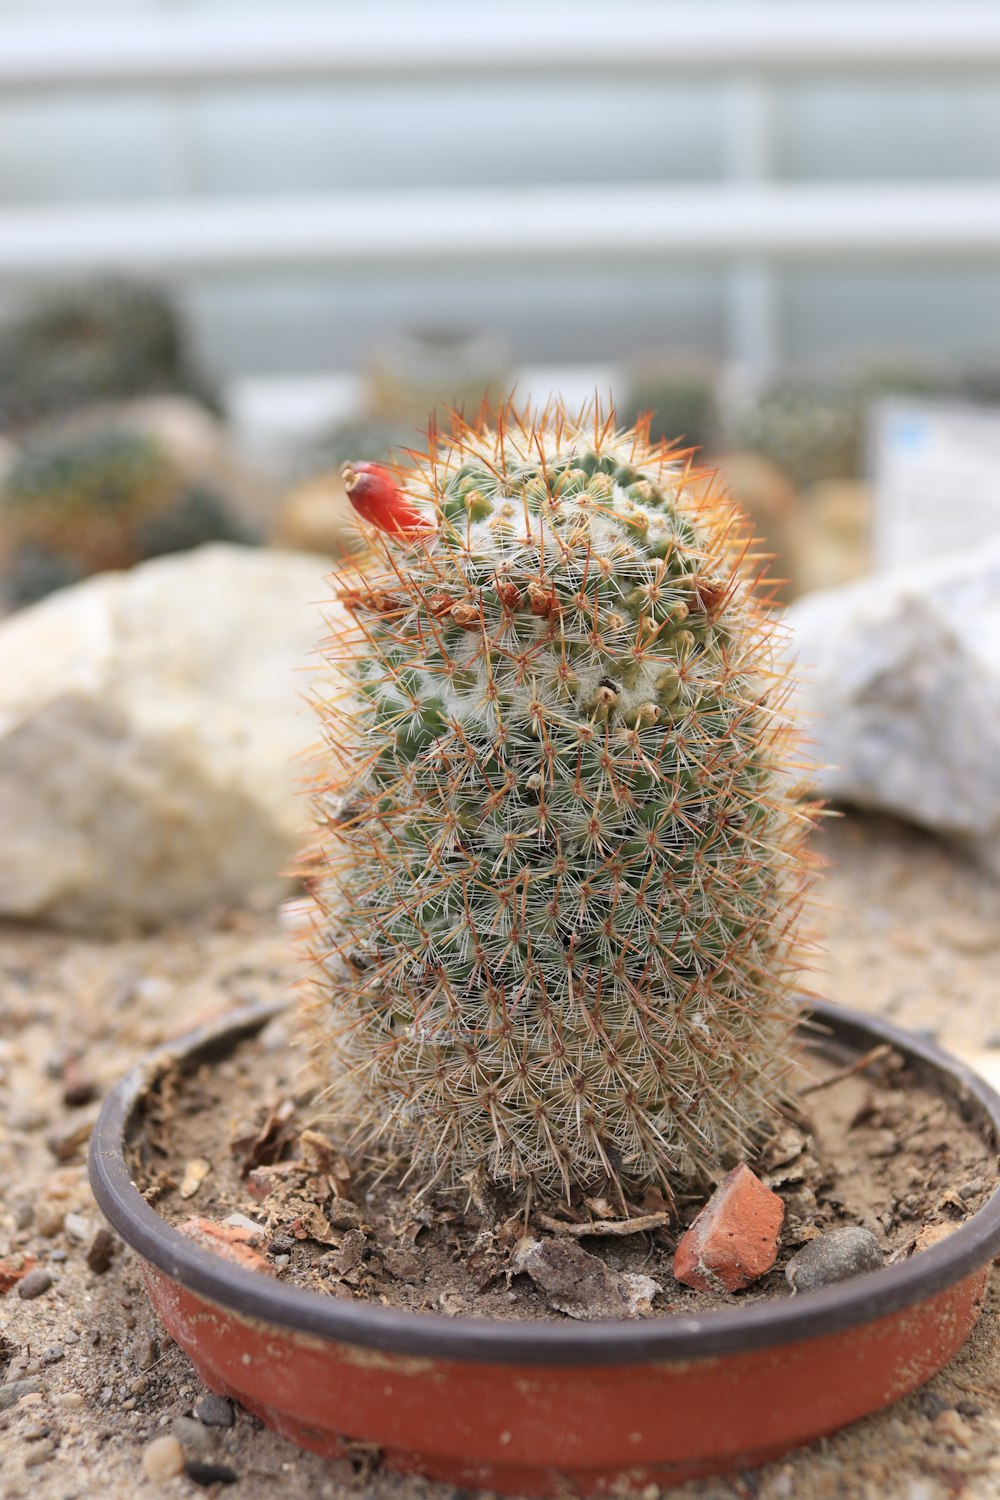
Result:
[{"x": 806, "y": 1315}]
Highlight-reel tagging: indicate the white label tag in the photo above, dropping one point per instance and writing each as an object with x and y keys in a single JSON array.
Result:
[{"x": 935, "y": 470}]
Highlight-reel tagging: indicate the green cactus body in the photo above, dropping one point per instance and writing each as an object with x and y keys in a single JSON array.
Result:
[
  {"x": 82, "y": 493},
  {"x": 680, "y": 394},
  {"x": 84, "y": 497},
  {"x": 816, "y": 429},
  {"x": 559, "y": 863},
  {"x": 103, "y": 340}
]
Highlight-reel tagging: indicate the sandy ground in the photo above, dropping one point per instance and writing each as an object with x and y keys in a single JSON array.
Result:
[{"x": 910, "y": 931}]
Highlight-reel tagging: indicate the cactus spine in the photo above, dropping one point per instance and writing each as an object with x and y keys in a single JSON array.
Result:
[{"x": 559, "y": 861}]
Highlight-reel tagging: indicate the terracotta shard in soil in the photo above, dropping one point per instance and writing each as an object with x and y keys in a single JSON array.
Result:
[
  {"x": 11, "y": 1274},
  {"x": 230, "y": 1241},
  {"x": 734, "y": 1240}
]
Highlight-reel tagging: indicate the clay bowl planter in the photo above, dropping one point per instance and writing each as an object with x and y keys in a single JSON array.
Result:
[{"x": 546, "y": 1408}]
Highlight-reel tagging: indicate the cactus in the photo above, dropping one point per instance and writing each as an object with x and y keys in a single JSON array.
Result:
[
  {"x": 100, "y": 341},
  {"x": 808, "y": 428},
  {"x": 559, "y": 860},
  {"x": 84, "y": 497},
  {"x": 680, "y": 394},
  {"x": 815, "y": 429},
  {"x": 195, "y": 515}
]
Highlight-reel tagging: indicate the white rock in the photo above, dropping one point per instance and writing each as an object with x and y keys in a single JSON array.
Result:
[
  {"x": 148, "y": 724},
  {"x": 901, "y": 679}
]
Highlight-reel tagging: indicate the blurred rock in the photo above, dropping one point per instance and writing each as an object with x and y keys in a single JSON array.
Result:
[
  {"x": 316, "y": 516},
  {"x": 198, "y": 442},
  {"x": 830, "y": 536},
  {"x": 901, "y": 675},
  {"x": 148, "y": 722},
  {"x": 768, "y": 498}
]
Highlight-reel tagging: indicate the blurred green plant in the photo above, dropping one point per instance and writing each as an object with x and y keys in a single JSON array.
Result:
[
  {"x": 105, "y": 340},
  {"x": 681, "y": 396},
  {"x": 80, "y": 499},
  {"x": 816, "y": 428}
]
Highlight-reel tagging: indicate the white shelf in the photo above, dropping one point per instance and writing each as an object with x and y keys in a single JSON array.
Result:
[
  {"x": 618, "y": 224},
  {"x": 443, "y": 39}
]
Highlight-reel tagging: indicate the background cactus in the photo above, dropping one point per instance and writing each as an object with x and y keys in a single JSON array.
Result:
[
  {"x": 680, "y": 394},
  {"x": 816, "y": 429},
  {"x": 560, "y": 861},
  {"x": 84, "y": 497},
  {"x": 103, "y": 340}
]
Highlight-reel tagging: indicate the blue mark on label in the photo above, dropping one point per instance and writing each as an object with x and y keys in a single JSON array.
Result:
[{"x": 909, "y": 433}]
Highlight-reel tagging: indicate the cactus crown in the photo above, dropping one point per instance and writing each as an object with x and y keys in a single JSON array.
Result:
[{"x": 559, "y": 863}]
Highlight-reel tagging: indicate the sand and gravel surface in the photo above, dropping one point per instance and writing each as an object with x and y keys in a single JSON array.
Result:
[{"x": 87, "y": 1380}]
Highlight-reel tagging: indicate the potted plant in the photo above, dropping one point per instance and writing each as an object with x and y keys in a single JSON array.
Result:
[{"x": 557, "y": 879}]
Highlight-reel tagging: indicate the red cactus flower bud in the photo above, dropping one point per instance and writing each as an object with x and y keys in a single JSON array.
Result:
[{"x": 377, "y": 498}]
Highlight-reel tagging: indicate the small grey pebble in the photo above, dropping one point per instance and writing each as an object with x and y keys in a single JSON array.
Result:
[
  {"x": 34, "y": 1284},
  {"x": 968, "y": 1408},
  {"x": 835, "y": 1256},
  {"x": 194, "y": 1436},
  {"x": 932, "y": 1405},
  {"x": 77, "y": 1228},
  {"x": 214, "y": 1411},
  {"x": 55, "y": 1062},
  {"x": 12, "y": 1391},
  {"x": 281, "y": 1261},
  {"x": 53, "y": 1355}
]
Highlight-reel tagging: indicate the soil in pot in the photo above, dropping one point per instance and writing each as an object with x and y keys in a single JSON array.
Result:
[{"x": 868, "y": 1145}]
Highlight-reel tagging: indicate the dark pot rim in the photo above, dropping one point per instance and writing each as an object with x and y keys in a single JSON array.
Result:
[{"x": 432, "y": 1335}]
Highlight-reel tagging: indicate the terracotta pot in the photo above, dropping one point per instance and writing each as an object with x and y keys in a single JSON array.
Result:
[{"x": 549, "y": 1408}]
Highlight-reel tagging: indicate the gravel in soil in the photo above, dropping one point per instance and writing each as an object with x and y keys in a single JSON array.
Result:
[{"x": 88, "y": 1379}]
